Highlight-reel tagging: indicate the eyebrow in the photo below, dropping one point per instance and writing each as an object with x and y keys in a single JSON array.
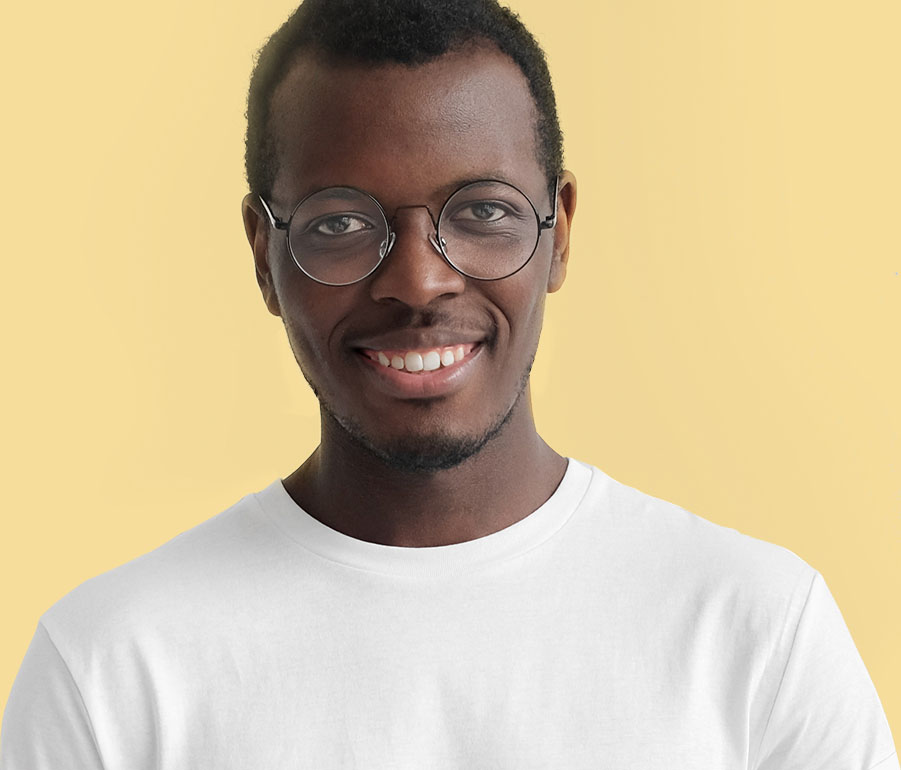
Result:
[
  {"x": 341, "y": 192},
  {"x": 348, "y": 192},
  {"x": 447, "y": 189}
]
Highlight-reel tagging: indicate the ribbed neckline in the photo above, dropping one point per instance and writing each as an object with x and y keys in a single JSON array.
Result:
[{"x": 526, "y": 534}]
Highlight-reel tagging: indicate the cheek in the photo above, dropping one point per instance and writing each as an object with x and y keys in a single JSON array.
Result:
[
  {"x": 307, "y": 315},
  {"x": 303, "y": 340},
  {"x": 536, "y": 319},
  {"x": 528, "y": 295}
]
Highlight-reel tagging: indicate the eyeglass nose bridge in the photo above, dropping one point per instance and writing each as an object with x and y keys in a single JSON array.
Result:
[{"x": 388, "y": 243}]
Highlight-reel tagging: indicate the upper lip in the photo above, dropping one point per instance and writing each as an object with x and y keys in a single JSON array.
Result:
[{"x": 417, "y": 339}]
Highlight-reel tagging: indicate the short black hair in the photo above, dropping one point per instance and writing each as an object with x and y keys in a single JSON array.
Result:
[{"x": 410, "y": 32}]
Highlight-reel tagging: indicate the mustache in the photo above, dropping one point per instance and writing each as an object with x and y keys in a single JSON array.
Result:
[
  {"x": 404, "y": 326},
  {"x": 413, "y": 319}
]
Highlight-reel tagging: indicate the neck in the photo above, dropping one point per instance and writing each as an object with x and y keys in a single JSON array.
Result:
[{"x": 351, "y": 490}]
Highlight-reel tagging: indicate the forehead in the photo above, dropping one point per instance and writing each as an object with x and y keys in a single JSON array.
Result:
[{"x": 400, "y": 131}]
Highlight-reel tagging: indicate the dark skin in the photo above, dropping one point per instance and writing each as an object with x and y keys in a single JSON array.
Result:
[{"x": 409, "y": 136}]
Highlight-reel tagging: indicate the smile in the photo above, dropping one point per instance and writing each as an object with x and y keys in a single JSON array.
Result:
[
  {"x": 424, "y": 360},
  {"x": 396, "y": 380}
]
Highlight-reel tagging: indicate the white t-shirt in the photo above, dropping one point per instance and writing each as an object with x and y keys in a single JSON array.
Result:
[{"x": 607, "y": 629}]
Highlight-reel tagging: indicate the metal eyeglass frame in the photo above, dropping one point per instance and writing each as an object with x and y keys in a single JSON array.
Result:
[{"x": 438, "y": 243}]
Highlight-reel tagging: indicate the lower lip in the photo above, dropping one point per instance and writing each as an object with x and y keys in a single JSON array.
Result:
[{"x": 439, "y": 382}]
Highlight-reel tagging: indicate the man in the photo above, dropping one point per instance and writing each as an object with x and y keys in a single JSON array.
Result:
[{"x": 434, "y": 587}]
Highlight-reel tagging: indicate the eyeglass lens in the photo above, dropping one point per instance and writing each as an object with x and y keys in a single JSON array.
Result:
[{"x": 486, "y": 229}]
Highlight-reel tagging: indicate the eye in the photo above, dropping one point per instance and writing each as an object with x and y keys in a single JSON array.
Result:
[
  {"x": 482, "y": 211},
  {"x": 339, "y": 224}
]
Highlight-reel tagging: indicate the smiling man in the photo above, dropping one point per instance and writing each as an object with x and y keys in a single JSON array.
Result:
[
  {"x": 407, "y": 236},
  {"x": 434, "y": 587}
]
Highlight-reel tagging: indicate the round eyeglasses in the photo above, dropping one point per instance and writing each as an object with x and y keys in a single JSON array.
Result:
[{"x": 486, "y": 230}]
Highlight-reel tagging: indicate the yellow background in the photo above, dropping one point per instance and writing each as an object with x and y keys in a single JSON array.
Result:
[{"x": 728, "y": 338}]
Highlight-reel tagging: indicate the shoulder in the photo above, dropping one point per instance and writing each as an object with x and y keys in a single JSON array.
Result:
[
  {"x": 750, "y": 615},
  {"x": 677, "y": 550},
  {"x": 194, "y": 568}
]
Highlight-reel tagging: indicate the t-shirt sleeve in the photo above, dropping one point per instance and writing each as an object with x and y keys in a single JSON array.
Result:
[
  {"x": 826, "y": 714},
  {"x": 45, "y": 724}
]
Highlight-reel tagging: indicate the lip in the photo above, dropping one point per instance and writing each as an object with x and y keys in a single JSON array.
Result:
[
  {"x": 411, "y": 339},
  {"x": 435, "y": 384}
]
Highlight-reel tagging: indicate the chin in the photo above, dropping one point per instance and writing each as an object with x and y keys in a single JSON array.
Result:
[
  {"x": 428, "y": 454},
  {"x": 425, "y": 453}
]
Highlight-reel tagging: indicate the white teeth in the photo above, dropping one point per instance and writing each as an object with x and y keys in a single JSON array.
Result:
[
  {"x": 427, "y": 361},
  {"x": 431, "y": 361},
  {"x": 413, "y": 362}
]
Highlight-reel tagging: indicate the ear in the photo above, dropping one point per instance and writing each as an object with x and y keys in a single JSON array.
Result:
[
  {"x": 566, "y": 208},
  {"x": 256, "y": 225}
]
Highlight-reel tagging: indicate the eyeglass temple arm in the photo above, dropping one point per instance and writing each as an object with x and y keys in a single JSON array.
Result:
[
  {"x": 551, "y": 221},
  {"x": 273, "y": 220}
]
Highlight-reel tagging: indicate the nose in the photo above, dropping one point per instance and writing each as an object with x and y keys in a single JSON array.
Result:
[{"x": 414, "y": 271}]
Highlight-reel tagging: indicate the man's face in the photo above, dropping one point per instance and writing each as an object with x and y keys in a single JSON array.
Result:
[{"x": 410, "y": 136}]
